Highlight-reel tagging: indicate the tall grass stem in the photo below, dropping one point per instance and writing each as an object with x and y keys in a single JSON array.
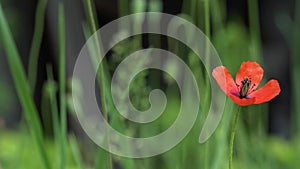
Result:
[
  {"x": 295, "y": 63},
  {"x": 102, "y": 78},
  {"x": 207, "y": 63},
  {"x": 36, "y": 43},
  {"x": 254, "y": 29},
  {"x": 23, "y": 88},
  {"x": 62, "y": 83}
]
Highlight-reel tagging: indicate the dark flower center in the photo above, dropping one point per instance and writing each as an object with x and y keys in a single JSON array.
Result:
[{"x": 246, "y": 84}]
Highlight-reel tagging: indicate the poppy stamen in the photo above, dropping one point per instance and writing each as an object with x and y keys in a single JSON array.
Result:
[
  {"x": 246, "y": 83},
  {"x": 252, "y": 88}
]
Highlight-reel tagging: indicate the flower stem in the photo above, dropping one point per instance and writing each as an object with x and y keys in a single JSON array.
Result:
[{"x": 234, "y": 122}]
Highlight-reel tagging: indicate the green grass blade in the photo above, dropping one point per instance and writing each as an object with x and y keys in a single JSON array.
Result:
[
  {"x": 54, "y": 109},
  {"x": 62, "y": 83},
  {"x": 22, "y": 87},
  {"x": 36, "y": 43},
  {"x": 101, "y": 75},
  {"x": 295, "y": 62},
  {"x": 75, "y": 151},
  {"x": 254, "y": 30},
  {"x": 207, "y": 64},
  {"x": 123, "y": 7}
]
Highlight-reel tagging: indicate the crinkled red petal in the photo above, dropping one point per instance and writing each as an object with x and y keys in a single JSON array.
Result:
[
  {"x": 251, "y": 70},
  {"x": 224, "y": 79},
  {"x": 270, "y": 90}
]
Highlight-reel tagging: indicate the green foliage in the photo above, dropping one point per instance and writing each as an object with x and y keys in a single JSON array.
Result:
[
  {"x": 235, "y": 43},
  {"x": 22, "y": 87}
]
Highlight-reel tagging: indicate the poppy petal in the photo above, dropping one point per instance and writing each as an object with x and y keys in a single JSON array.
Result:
[
  {"x": 251, "y": 70},
  {"x": 224, "y": 79},
  {"x": 270, "y": 90}
]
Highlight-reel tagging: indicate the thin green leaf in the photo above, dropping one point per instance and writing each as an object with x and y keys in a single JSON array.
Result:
[
  {"x": 22, "y": 86},
  {"x": 62, "y": 83},
  {"x": 36, "y": 43}
]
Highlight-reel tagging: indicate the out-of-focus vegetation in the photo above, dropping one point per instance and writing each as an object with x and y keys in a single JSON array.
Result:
[{"x": 41, "y": 139}]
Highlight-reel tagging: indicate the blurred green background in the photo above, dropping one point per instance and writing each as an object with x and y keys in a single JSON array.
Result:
[{"x": 40, "y": 41}]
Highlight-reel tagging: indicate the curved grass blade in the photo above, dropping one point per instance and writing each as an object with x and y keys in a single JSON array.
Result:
[{"x": 36, "y": 43}]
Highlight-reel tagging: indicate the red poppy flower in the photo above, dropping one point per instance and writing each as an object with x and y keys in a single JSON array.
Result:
[{"x": 243, "y": 91}]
